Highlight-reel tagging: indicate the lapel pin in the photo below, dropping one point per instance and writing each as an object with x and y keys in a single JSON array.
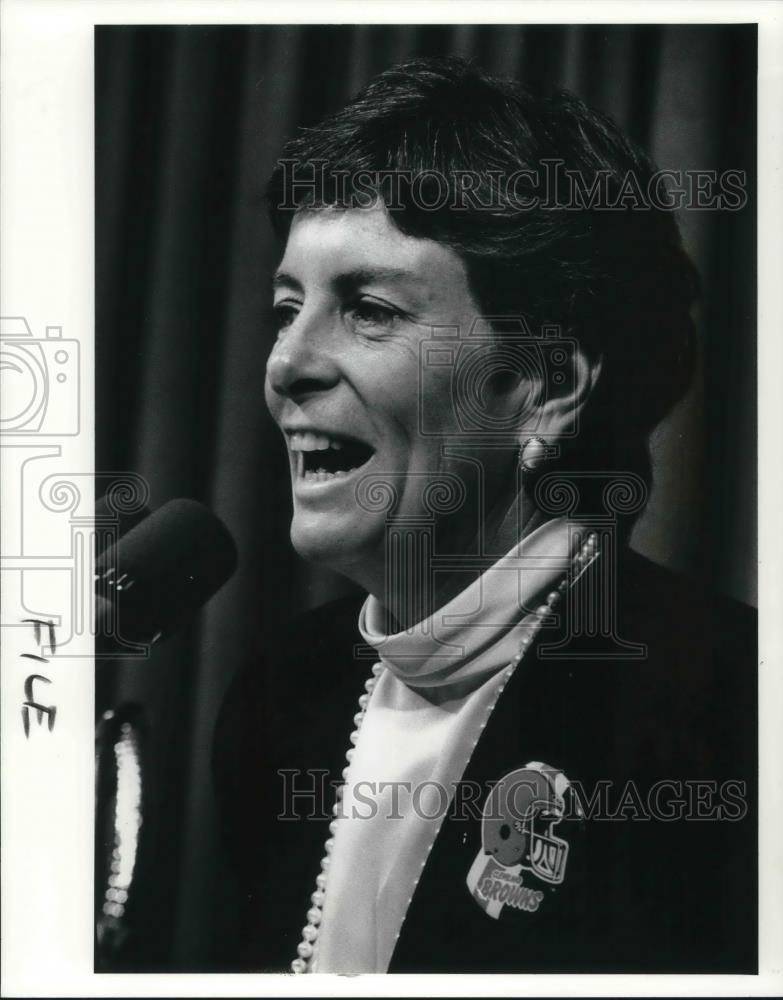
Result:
[{"x": 520, "y": 851}]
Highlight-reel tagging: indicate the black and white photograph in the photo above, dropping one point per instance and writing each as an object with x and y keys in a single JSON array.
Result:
[{"x": 420, "y": 526}]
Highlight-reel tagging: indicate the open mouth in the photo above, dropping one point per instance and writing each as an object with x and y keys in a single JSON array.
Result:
[{"x": 320, "y": 457}]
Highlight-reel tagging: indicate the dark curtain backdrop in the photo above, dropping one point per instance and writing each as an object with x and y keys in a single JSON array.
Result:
[{"x": 188, "y": 124}]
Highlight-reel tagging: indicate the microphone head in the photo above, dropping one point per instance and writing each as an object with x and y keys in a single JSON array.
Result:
[
  {"x": 113, "y": 520},
  {"x": 162, "y": 571}
]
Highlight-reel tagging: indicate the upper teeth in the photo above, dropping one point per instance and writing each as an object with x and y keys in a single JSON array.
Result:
[{"x": 307, "y": 441}]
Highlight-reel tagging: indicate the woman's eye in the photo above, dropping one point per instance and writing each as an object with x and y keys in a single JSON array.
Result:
[
  {"x": 367, "y": 313},
  {"x": 285, "y": 313}
]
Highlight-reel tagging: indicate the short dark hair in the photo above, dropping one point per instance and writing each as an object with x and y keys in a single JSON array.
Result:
[{"x": 618, "y": 281}]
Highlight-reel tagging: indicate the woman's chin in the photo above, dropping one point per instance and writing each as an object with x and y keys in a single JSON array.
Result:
[{"x": 322, "y": 541}]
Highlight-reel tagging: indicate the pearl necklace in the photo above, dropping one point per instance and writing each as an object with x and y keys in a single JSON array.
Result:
[{"x": 586, "y": 555}]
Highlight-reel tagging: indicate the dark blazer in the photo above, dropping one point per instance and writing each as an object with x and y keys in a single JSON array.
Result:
[{"x": 646, "y": 888}]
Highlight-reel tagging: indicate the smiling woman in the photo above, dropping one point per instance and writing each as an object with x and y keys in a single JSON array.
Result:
[
  {"x": 472, "y": 350},
  {"x": 356, "y": 299}
]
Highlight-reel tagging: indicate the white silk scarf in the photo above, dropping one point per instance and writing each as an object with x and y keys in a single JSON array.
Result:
[{"x": 441, "y": 680}]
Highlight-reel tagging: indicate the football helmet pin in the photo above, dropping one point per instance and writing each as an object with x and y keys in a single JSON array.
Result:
[{"x": 517, "y": 835}]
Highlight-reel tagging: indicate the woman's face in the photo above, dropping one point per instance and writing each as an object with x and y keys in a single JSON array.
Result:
[{"x": 355, "y": 299}]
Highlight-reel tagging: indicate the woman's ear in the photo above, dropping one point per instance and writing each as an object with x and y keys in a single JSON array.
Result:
[
  {"x": 559, "y": 406},
  {"x": 546, "y": 404}
]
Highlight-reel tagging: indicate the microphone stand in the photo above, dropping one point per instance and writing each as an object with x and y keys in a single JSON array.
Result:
[{"x": 119, "y": 813}]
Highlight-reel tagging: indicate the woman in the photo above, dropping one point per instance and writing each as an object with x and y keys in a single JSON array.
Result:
[{"x": 481, "y": 317}]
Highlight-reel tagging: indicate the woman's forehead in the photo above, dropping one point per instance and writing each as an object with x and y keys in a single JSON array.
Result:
[{"x": 365, "y": 242}]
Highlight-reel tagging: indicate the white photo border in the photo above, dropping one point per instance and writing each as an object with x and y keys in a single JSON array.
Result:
[{"x": 47, "y": 259}]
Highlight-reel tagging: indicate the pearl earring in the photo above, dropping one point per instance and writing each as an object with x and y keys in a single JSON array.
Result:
[{"x": 532, "y": 454}]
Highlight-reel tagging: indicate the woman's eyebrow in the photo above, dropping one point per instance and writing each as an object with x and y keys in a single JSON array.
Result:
[
  {"x": 350, "y": 281},
  {"x": 282, "y": 279}
]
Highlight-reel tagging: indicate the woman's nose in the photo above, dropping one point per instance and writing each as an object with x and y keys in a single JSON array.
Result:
[{"x": 301, "y": 362}]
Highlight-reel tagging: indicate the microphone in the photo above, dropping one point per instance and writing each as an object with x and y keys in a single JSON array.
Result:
[
  {"x": 160, "y": 571},
  {"x": 113, "y": 519}
]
